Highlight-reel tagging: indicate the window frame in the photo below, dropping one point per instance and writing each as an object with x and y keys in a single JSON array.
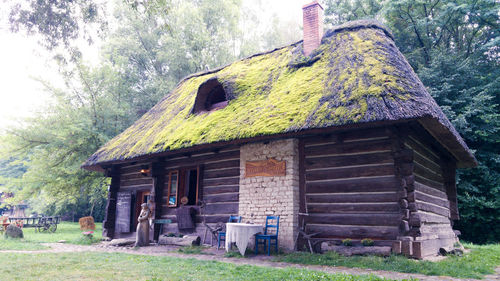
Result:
[{"x": 169, "y": 189}]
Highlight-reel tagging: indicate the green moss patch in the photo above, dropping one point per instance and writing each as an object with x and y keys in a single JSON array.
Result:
[{"x": 354, "y": 76}]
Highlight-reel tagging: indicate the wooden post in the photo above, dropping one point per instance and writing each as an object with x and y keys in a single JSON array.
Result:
[
  {"x": 158, "y": 174},
  {"x": 108, "y": 225},
  {"x": 449, "y": 173},
  {"x": 302, "y": 194}
]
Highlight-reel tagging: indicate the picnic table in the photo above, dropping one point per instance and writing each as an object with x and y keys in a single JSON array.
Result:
[
  {"x": 240, "y": 233},
  {"x": 41, "y": 224}
]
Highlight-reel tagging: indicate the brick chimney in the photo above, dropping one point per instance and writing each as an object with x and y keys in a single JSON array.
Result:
[{"x": 313, "y": 26}]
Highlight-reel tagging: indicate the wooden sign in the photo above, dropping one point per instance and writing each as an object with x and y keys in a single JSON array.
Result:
[{"x": 265, "y": 168}]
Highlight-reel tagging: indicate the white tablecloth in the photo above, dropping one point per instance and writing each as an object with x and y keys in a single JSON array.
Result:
[{"x": 240, "y": 233}]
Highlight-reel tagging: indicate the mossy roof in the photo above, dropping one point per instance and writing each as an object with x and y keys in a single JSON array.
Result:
[{"x": 357, "y": 75}]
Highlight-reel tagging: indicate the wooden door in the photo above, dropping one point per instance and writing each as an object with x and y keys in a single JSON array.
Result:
[{"x": 141, "y": 197}]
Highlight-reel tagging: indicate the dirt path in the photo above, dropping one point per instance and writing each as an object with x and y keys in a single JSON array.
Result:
[{"x": 218, "y": 256}]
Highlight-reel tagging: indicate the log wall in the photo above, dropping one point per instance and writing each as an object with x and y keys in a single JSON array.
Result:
[
  {"x": 220, "y": 173},
  {"x": 431, "y": 196},
  {"x": 351, "y": 190}
]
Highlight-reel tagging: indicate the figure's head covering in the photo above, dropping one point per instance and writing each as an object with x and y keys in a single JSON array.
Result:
[{"x": 144, "y": 205}]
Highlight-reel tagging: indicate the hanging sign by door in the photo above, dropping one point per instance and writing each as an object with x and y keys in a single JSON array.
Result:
[{"x": 265, "y": 168}]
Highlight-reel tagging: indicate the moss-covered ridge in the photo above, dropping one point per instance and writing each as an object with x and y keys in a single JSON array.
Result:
[{"x": 356, "y": 75}]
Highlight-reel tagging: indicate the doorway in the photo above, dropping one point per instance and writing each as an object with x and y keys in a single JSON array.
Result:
[{"x": 141, "y": 197}]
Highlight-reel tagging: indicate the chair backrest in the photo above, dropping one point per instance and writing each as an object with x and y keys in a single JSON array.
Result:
[
  {"x": 234, "y": 219},
  {"x": 272, "y": 223}
]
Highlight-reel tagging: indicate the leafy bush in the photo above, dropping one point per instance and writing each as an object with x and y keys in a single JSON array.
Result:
[
  {"x": 347, "y": 242},
  {"x": 367, "y": 242}
]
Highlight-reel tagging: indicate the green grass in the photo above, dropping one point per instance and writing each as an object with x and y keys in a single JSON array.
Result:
[
  {"x": 193, "y": 250},
  {"x": 117, "y": 266},
  {"x": 481, "y": 261},
  {"x": 69, "y": 231}
]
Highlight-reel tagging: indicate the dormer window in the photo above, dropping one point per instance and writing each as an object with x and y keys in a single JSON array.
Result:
[{"x": 211, "y": 96}]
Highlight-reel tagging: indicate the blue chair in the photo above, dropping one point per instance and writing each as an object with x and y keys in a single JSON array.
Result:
[
  {"x": 269, "y": 235},
  {"x": 221, "y": 236}
]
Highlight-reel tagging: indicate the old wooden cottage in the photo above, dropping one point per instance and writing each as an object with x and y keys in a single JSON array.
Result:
[{"x": 334, "y": 133}]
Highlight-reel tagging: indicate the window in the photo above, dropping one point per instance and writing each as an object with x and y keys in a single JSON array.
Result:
[
  {"x": 173, "y": 182},
  {"x": 182, "y": 186},
  {"x": 211, "y": 96}
]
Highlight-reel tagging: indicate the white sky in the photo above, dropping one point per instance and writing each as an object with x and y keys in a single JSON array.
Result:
[{"x": 22, "y": 60}]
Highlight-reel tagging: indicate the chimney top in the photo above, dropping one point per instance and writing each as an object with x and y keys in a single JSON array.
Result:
[
  {"x": 313, "y": 26},
  {"x": 312, "y": 3}
]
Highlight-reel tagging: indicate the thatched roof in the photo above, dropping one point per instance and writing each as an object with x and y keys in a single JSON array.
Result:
[{"x": 356, "y": 76}]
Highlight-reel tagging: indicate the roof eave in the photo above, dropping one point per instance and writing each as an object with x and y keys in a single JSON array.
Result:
[{"x": 450, "y": 140}]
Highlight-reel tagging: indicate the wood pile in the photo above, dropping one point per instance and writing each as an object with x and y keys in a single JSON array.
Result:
[{"x": 87, "y": 223}]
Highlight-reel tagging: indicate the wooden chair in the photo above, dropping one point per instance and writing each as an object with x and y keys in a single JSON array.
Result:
[
  {"x": 268, "y": 236},
  {"x": 221, "y": 236}
]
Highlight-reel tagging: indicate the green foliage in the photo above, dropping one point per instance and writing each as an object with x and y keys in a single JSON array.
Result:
[
  {"x": 367, "y": 242},
  {"x": 347, "y": 242},
  {"x": 58, "y": 22},
  {"x": 482, "y": 260},
  {"x": 143, "y": 58},
  {"x": 341, "y": 11}
]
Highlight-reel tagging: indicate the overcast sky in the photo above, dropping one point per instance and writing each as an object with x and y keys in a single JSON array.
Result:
[{"x": 23, "y": 61}]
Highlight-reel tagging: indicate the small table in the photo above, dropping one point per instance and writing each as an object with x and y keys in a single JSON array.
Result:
[{"x": 241, "y": 234}]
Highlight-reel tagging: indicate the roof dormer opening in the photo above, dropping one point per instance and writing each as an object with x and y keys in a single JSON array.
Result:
[{"x": 211, "y": 96}]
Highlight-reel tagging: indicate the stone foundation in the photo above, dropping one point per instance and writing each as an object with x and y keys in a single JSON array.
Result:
[{"x": 261, "y": 196}]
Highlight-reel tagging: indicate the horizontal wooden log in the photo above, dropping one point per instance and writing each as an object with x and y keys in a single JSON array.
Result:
[
  {"x": 131, "y": 169},
  {"x": 197, "y": 160},
  {"x": 419, "y": 218},
  {"x": 220, "y": 189},
  {"x": 225, "y": 208},
  {"x": 349, "y": 148},
  {"x": 364, "y": 134},
  {"x": 348, "y": 160},
  {"x": 422, "y": 150},
  {"x": 221, "y": 181},
  {"x": 136, "y": 187},
  {"x": 422, "y": 188},
  {"x": 187, "y": 240},
  {"x": 352, "y": 172},
  {"x": 142, "y": 181},
  {"x": 221, "y": 173},
  {"x": 429, "y": 183},
  {"x": 432, "y": 208},
  {"x": 349, "y": 136},
  {"x": 442, "y": 202},
  {"x": 352, "y": 198},
  {"x": 351, "y": 251},
  {"x": 427, "y": 163},
  {"x": 428, "y": 174},
  {"x": 222, "y": 165},
  {"x": 375, "y": 184},
  {"x": 133, "y": 176},
  {"x": 350, "y": 207},
  {"x": 354, "y": 232},
  {"x": 229, "y": 197},
  {"x": 322, "y": 140},
  {"x": 354, "y": 219}
]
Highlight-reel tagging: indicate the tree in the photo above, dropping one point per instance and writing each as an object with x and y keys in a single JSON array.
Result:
[{"x": 142, "y": 60}]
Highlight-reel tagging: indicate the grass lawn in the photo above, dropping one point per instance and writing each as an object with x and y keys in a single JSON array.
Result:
[
  {"x": 117, "y": 266},
  {"x": 481, "y": 261},
  {"x": 69, "y": 231}
]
